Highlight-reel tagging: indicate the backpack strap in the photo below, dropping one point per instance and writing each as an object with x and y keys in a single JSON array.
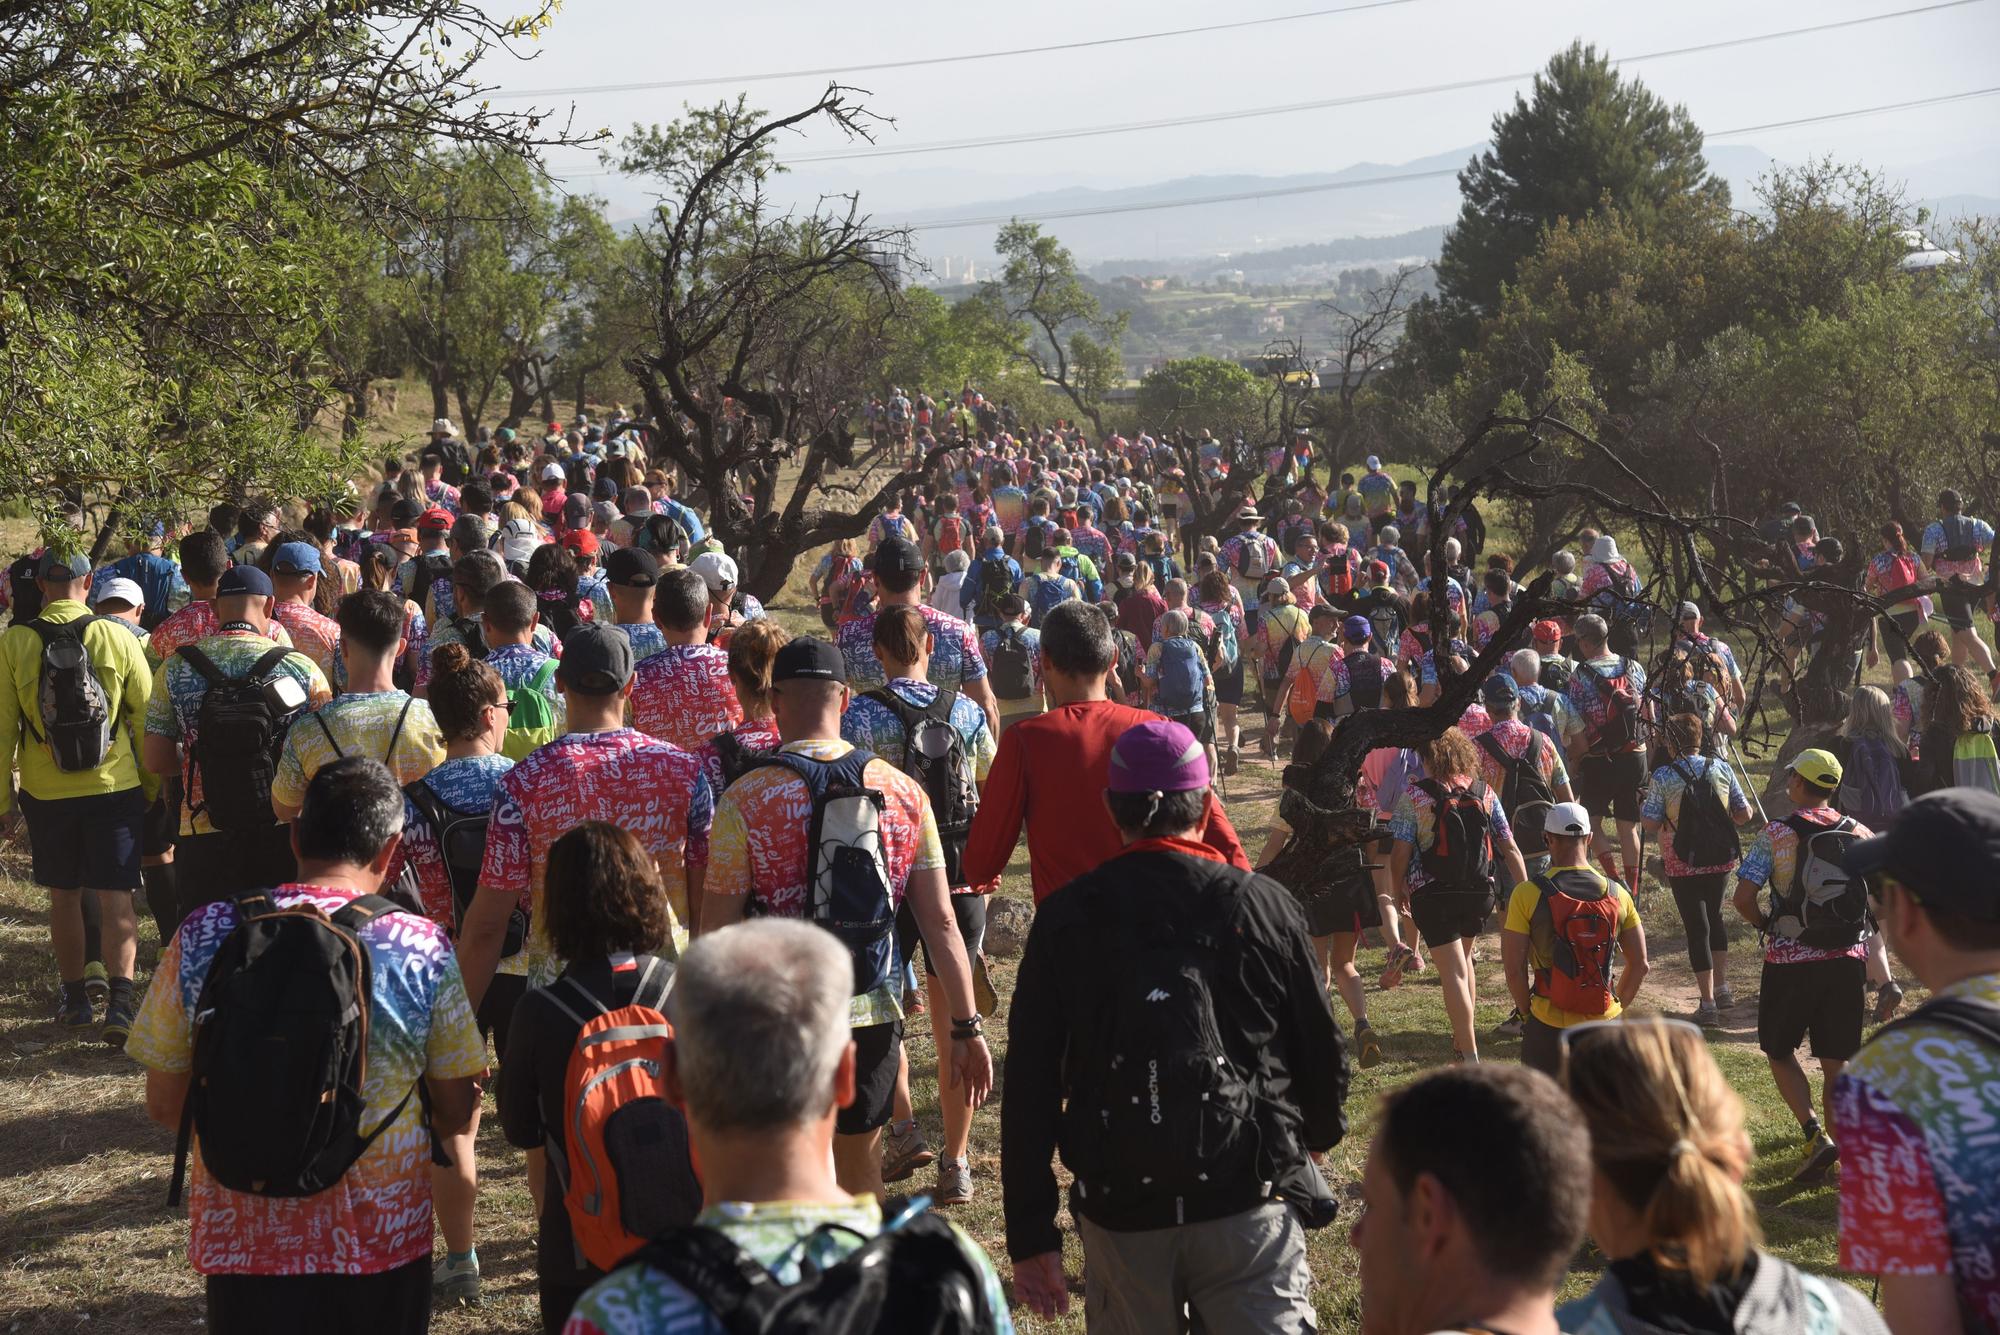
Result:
[
  {"x": 544, "y": 675},
  {"x": 721, "y": 1276},
  {"x": 203, "y": 664},
  {"x": 1966, "y": 1015},
  {"x": 396, "y": 735},
  {"x": 1499, "y": 752},
  {"x": 319, "y": 717}
]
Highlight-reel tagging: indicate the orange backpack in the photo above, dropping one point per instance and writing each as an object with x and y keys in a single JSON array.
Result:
[
  {"x": 625, "y": 1171},
  {"x": 1577, "y": 922}
]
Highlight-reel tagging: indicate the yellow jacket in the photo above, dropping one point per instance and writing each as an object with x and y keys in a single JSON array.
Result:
[{"x": 120, "y": 662}]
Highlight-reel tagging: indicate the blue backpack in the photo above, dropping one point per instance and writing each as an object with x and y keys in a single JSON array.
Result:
[
  {"x": 1179, "y": 677},
  {"x": 1049, "y": 593},
  {"x": 1541, "y": 715}
]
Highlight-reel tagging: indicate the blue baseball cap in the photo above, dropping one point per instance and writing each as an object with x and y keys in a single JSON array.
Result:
[
  {"x": 54, "y": 565},
  {"x": 297, "y": 558},
  {"x": 243, "y": 580},
  {"x": 1356, "y": 629},
  {"x": 1501, "y": 689}
]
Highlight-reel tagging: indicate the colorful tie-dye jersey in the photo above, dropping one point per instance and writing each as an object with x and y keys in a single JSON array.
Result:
[
  {"x": 759, "y": 845},
  {"x": 756, "y": 735},
  {"x": 196, "y": 621},
  {"x": 1663, "y": 803},
  {"x": 788, "y": 1238},
  {"x": 361, "y": 724},
  {"x": 955, "y": 656},
  {"x": 1917, "y": 1113},
  {"x": 654, "y": 791},
  {"x": 1977, "y": 531},
  {"x": 175, "y": 708},
  {"x": 378, "y": 1216},
  {"x": 314, "y": 635},
  {"x": 1415, "y": 823},
  {"x": 683, "y": 695}
]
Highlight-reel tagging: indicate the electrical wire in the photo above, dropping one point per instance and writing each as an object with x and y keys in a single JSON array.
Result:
[
  {"x": 958, "y": 58},
  {"x": 1055, "y": 215}
]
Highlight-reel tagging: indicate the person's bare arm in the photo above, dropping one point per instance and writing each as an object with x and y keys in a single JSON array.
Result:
[
  {"x": 1279, "y": 833},
  {"x": 1921, "y": 1305},
  {"x": 929, "y": 898},
  {"x": 166, "y": 1094},
  {"x": 1399, "y": 869},
  {"x": 161, "y": 755},
  {"x": 1745, "y": 901},
  {"x": 1511, "y": 859},
  {"x": 452, "y": 1103},
  {"x": 1633, "y": 942},
  {"x": 1514, "y": 968},
  {"x": 719, "y": 911},
  {"x": 480, "y": 935},
  {"x": 981, "y": 693}
]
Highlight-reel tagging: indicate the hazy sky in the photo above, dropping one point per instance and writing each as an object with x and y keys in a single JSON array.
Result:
[{"x": 1421, "y": 42}]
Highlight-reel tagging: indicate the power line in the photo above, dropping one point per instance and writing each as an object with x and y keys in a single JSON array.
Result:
[
  {"x": 1099, "y": 210},
  {"x": 1248, "y": 113},
  {"x": 768, "y": 75}
]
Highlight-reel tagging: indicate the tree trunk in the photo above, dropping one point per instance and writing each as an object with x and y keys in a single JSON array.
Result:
[
  {"x": 520, "y": 399},
  {"x": 548, "y": 403},
  {"x": 357, "y": 410},
  {"x": 440, "y": 393},
  {"x": 580, "y": 382}
]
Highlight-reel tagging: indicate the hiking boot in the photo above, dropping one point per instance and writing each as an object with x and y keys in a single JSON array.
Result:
[
  {"x": 1725, "y": 996},
  {"x": 455, "y": 1284},
  {"x": 1231, "y": 759},
  {"x": 74, "y": 1011},
  {"x": 1887, "y": 1000},
  {"x": 1371, "y": 1048},
  {"x": 1821, "y": 1155},
  {"x": 96, "y": 983},
  {"x": 1707, "y": 1015},
  {"x": 118, "y": 1018},
  {"x": 1509, "y": 1027},
  {"x": 954, "y": 1183},
  {"x": 904, "y": 1152}
]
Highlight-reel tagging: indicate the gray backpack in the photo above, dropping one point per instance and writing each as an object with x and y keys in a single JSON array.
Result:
[{"x": 74, "y": 709}]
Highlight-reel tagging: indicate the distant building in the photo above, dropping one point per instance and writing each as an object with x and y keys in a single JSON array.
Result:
[{"x": 1229, "y": 278}]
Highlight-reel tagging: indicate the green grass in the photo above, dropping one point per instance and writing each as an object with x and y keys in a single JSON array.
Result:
[{"x": 87, "y": 1242}]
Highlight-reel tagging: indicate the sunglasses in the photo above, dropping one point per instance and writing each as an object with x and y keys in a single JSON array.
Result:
[{"x": 1581, "y": 1033}]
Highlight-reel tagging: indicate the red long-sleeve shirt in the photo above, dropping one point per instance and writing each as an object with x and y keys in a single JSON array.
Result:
[{"x": 1050, "y": 776}]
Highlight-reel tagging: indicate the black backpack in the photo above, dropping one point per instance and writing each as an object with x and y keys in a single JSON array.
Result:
[
  {"x": 847, "y": 872},
  {"x": 737, "y": 759},
  {"x": 934, "y": 755},
  {"x": 1167, "y": 1116},
  {"x": 1704, "y": 835},
  {"x": 461, "y": 842},
  {"x": 992, "y": 581},
  {"x": 239, "y": 733},
  {"x": 280, "y": 1052},
  {"x": 560, "y": 615},
  {"x": 1033, "y": 538},
  {"x": 1525, "y": 796},
  {"x": 1128, "y": 658},
  {"x": 915, "y": 1276},
  {"x": 1365, "y": 687},
  {"x": 472, "y": 632},
  {"x": 1012, "y": 668},
  {"x": 24, "y": 594},
  {"x": 1961, "y": 538},
  {"x": 74, "y": 713},
  {"x": 1460, "y": 858},
  {"x": 432, "y": 567}
]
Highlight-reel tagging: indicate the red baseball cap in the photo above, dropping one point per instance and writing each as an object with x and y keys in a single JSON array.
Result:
[
  {"x": 581, "y": 541},
  {"x": 437, "y": 519},
  {"x": 1549, "y": 631}
]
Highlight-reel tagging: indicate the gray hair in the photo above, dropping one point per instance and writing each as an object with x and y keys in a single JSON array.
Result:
[
  {"x": 1389, "y": 535},
  {"x": 1174, "y": 592},
  {"x": 992, "y": 537},
  {"x": 1592, "y": 628},
  {"x": 760, "y": 1020},
  {"x": 1451, "y": 549},
  {"x": 1173, "y": 624},
  {"x": 1526, "y": 666},
  {"x": 956, "y": 560},
  {"x": 1563, "y": 562}
]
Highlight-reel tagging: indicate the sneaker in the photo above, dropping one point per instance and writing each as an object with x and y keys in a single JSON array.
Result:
[
  {"x": 1821, "y": 1155},
  {"x": 1707, "y": 1015},
  {"x": 1887, "y": 1000},
  {"x": 118, "y": 1018},
  {"x": 455, "y": 1285},
  {"x": 75, "y": 1012},
  {"x": 1371, "y": 1048},
  {"x": 1725, "y": 996},
  {"x": 904, "y": 1153},
  {"x": 1232, "y": 759},
  {"x": 96, "y": 983},
  {"x": 1400, "y": 961},
  {"x": 1509, "y": 1027},
  {"x": 954, "y": 1183}
]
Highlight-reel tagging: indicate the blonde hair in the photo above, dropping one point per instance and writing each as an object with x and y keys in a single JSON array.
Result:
[
  {"x": 1666, "y": 1131},
  {"x": 1450, "y": 755},
  {"x": 1869, "y": 715},
  {"x": 753, "y": 650}
]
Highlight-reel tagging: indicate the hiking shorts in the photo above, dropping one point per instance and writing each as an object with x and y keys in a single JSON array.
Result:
[
  {"x": 1346, "y": 906},
  {"x": 878, "y": 1052},
  {"x": 86, "y": 843},
  {"x": 387, "y": 1302},
  {"x": 1445, "y": 916},
  {"x": 1955, "y": 606},
  {"x": 1229, "y": 684},
  {"x": 1908, "y": 624},
  {"x": 1609, "y": 785},
  {"x": 1821, "y": 998},
  {"x": 967, "y": 909},
  {"x": 1241, "y": 1272}
]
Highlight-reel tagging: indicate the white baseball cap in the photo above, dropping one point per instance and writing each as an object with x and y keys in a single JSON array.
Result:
[
  {"x": 715, "y": 569},
  {"x": 552, "y": 473},
  {"x": 1567, "y": 818},
  {"x": 1374, "y": 462},
  {"x": 118, "y": 589}
]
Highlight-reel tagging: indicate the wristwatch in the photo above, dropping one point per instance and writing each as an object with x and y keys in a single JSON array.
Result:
[{"x": 962, "y": 1030}]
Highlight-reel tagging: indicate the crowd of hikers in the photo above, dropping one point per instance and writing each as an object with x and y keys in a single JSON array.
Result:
[{"x": 494, "y": 746}]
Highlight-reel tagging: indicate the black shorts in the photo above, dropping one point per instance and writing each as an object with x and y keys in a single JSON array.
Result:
[
  {"x": 1349, "y": 906},
  {"x": 878, "y": 1051},
  {"x": 1609, "y": 785},
  {"x": 1821, "y": 998},
  {"x": 968, "y": 910},
  {"x": 86, "y": 843},
  {"x": 390, "y": 1302},
  {"x": 1956, "y": 605},
  {"x": 1908, "y": 623},
  {"x": 496, "y": 1008},
  {"x": 1445, "y": 916},
  {"x": 1202, "y": 725},
  {"x": 1229, "y": 684}
]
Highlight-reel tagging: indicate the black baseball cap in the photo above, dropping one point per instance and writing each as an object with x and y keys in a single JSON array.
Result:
[
  {"x": 406, "y": 512},
  {"x": 898, "y": 556},
  {"x": 239, "y": 580},
  {"x": 808, "y": 658},
  {"x": 597, "y": 660},
  {"x": 1945, "y": 847},
  {"x": 630, "y": 568}
]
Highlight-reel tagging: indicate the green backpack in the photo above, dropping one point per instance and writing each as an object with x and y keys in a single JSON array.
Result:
[{"x": 531, "y": 715}]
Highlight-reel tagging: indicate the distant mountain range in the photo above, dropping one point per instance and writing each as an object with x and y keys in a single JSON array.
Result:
[{"x": 1301, "y": 222}]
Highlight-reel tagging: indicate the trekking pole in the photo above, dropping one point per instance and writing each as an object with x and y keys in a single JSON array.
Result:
[{"x": 1743, "y": 772}]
